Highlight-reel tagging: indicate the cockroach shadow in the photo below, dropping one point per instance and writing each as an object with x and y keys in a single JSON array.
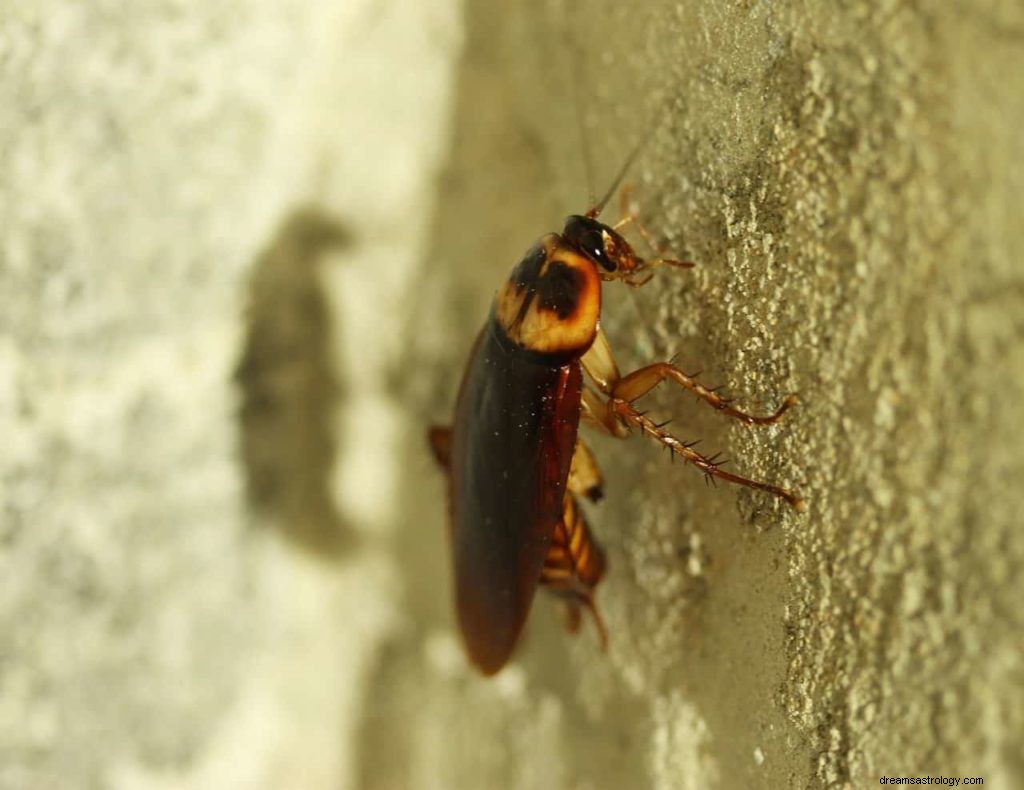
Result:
[{"x": 289, "y": 387}]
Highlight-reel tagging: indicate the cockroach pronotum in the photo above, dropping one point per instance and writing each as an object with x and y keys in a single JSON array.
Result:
[{"x": 514, "y": 463}]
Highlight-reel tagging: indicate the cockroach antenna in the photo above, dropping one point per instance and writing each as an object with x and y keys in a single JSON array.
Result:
[
  {"x": 581, "y": 127},
  {"x": 575, "y": 59},
  {"x": 594, "y": 212}
]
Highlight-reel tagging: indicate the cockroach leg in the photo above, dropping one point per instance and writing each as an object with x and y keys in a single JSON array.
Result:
[
  {"x": 596, "y": 413},
  {"x": 584, "y": 474},
  {"x": 587, "y": 601},
  {"x": 711, "y": 467},
  {"x": 572, "y": 617},
  {"x": 599, "y": 363},
  {"x": 640, "y": 382},
  {"x": 629, "y": 276},
  {"x": 615, "y": 413},
  {"x": 600, "y": 366},
  {"x": 629, "y": 216},
  {"x": 440, "y": 439},
  {"x": 574, "y": 565},
  {"x": 637, "y": 283},
  {"x": 644, "y": 265},
  {"x": 632, "y": 217}
]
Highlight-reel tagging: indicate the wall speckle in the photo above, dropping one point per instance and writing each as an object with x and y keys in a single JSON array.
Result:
[{"x": 845, "y": 177}]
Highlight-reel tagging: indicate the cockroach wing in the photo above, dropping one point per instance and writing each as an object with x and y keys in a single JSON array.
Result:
[{"x": 512, "y": 445}]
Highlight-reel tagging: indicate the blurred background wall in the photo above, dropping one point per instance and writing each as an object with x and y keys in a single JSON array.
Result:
[
  {"x": 207, "y": 210},
  {"x": 245, "y": 248}
]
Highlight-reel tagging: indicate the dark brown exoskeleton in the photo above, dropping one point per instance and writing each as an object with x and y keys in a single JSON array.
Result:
[{"x": 515, "y": 465}]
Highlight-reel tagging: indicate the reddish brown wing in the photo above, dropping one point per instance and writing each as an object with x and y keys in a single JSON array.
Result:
[{"x": 512, "y": 445}]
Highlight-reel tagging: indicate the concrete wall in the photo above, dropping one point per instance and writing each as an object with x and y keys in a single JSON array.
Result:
[
  {"x": 848, "y": 180},
  {"x": 194, "y": 576},
  {"x": 235, "y": 285}
]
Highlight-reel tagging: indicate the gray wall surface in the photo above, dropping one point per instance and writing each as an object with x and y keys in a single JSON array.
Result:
[
  {"x": 848, "y": 178},
  {"x": 245, "y": 249}
]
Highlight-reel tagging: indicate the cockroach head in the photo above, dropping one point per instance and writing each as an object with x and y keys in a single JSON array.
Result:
[{"x": 597, "y": 241}]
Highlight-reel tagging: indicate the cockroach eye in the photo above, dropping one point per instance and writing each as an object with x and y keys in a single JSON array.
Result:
[{"x": 594, "y": 247}]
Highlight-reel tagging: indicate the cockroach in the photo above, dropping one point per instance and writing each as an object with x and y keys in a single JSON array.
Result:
[{"x": 514, "y": 462}]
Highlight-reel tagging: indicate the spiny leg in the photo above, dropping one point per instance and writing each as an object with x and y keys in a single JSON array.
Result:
[
  {"x": 574, "y": 565},
  {"x": 615, "y": 414},
  {"x": 711, "y": 467},
  {"x": 601, "y": 368},
  {"x": 640, "y": 382},
  {"x": 584, "y": 474},
  {"x": 596, "y": 413}
]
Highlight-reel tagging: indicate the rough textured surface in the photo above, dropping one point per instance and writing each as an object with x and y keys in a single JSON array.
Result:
[
  {"x": 849, "y": 179},
  {"x": 182, "y": 606}
]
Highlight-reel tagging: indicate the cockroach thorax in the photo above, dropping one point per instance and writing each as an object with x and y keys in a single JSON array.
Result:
[{"x": 551, "y": 302}]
